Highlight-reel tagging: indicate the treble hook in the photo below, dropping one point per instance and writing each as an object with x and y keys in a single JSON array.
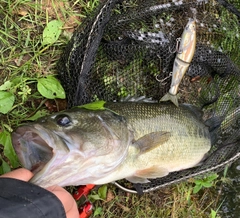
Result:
[
  {"x": 178, "y": 40},
  {"x": 162, "y": 80}
]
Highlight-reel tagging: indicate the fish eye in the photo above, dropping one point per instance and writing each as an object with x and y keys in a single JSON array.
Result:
[{"x": 63, "y": 120}]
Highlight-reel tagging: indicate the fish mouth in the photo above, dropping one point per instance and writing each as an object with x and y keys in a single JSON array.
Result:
[{"x": 32, "y": 149}]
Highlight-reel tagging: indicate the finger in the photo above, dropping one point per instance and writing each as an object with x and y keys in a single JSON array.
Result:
[
  {"x": 73, "y": 212},
  {"x": 70, "y": 205},
  {"x": 21, "y": 174}
]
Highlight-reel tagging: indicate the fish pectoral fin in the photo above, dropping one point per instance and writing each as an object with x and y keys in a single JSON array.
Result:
[
  {"x": 152, "y": 172},
  {"x": 140, "y": 176},
  {"x": 152, "y": 140},
  {"x": 172, "y": 98},
  {"x": 135, "y": 179}
]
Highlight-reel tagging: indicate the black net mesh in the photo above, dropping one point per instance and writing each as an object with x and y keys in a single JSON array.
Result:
[{"x": 128, "y": 48}]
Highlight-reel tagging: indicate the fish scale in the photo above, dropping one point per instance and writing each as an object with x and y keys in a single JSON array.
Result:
[{"x": 137, "y": 115}]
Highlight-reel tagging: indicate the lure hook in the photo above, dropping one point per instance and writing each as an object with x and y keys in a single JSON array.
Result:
[
  {"x": 162, "y": 80},
  {"x": 178, "y": 40}
]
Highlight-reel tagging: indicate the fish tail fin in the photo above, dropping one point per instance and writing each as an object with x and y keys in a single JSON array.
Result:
[
  {"x": 172, "y": 98},
  {"x": 214, "y": 123}
]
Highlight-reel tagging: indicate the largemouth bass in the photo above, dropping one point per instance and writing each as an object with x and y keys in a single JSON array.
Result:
[
  {"x": 182, "y": 61},
  {"x": 135, "y": 141}
]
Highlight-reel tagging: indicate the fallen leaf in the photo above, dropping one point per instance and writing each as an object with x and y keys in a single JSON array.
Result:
[
  {"x": 56, "y": 105},
  {"x": 196, "y": 78},
  {"x": 22, "y": 12},
  {"x": 126, "y": 209},
  {"x": 71, "y": 23},
  {"x": 110, "y": 195},
  {"x": 54, "y": 8},
  {"x": 21, "y": 60}
]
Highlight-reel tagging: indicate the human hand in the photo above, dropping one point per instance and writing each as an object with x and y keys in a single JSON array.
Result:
[
  {"x": 67, "y": 200},
  {"x": 65, "y": 197},
  {"x": 21, "y": 174}
]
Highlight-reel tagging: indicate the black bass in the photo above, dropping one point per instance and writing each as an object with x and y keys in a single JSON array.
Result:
[
  {"x": 135, "y": 141},
  {"x": 182, "y": 61}
]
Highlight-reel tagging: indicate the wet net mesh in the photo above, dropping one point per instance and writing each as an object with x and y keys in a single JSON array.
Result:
[{"x": 127, "y": 48}]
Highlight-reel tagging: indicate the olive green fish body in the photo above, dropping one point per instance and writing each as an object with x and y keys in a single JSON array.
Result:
[
  {"x": 166, "y": 139},
  {"x": 144, "y": 118},
  {"x": 135, "y": 141}
]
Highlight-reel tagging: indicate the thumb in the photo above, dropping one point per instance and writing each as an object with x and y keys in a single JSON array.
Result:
[{"x": 21, "y": 174}]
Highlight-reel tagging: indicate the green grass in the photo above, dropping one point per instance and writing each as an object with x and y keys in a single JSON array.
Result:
[
  {"x": 177, "y": 201},
  {"x": 28, "y": 55},
  {"x": 25, "y": 60}
]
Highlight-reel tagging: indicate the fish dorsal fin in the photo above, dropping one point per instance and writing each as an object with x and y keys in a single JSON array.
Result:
[
  {"x": 138, "y": 99},
  {"x": 152, "y": 140},
  {"x": 135, "y": 179}
]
